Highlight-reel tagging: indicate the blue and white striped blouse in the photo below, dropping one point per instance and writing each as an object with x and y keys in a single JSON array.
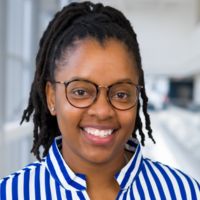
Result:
[{"x": 52, "y": 179}]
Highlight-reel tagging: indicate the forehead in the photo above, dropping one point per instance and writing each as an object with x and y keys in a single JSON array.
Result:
[{"x": 100, "y": 62}]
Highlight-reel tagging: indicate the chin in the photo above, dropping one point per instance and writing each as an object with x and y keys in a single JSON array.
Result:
[{"x": 99, "y": 158}]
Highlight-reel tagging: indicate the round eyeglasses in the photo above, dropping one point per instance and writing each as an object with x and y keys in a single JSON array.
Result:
[{"x": 83, "y": 93}]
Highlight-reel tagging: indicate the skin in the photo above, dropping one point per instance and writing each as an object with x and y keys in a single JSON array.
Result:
[{"x": 103, "y": 65}]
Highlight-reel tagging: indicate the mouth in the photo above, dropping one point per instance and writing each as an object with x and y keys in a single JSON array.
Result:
[
  {"x": 99, "y": 135},
  {"x": 102, "y": 133}
]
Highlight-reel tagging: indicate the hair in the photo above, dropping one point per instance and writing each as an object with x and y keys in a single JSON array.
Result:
[{"x": 77, "y": 21}]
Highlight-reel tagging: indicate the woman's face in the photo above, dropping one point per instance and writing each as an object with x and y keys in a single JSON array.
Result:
[{"x": 103, "y": 65}]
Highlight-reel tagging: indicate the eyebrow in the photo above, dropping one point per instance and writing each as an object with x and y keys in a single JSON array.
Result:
[{"x": 123, "y": 80}]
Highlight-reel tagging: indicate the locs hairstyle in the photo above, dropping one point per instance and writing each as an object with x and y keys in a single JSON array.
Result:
[{"x": 77, "y": 21}]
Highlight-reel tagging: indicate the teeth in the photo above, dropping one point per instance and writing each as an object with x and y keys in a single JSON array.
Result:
[{"x": 99, "y": 133}]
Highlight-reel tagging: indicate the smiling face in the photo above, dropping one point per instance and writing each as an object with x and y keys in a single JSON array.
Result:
[{"x": 96, "y": 134}]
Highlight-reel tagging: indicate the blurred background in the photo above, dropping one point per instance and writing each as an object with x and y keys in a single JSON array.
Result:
[{"x": 169, "y": 36}]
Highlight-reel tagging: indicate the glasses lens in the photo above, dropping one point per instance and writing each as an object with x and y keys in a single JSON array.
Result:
[
  {"x": 81, "y": 93},
  {"x": 123, "y": 95}
]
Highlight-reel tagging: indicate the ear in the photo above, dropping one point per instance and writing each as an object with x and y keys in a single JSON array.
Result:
[{"x": 50, "y": 97}]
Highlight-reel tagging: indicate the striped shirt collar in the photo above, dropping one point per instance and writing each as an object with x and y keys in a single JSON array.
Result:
[{"x": 62, "y": 173}]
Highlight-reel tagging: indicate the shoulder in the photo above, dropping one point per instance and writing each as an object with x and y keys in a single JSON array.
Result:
[
  {"x": 171, "y": 179},
  {"x": 13, "y": 181},
  {"x": 31, "y": 168}
]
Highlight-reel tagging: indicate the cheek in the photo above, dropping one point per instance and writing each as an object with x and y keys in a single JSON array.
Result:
[
  {"x": 68, "y": 117},
  {"x": 128, "y": 121}
]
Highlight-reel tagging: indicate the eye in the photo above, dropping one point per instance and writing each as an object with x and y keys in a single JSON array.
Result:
[
  {"x": 121, "y": 95},
  {"x": 79, "y": 93}
]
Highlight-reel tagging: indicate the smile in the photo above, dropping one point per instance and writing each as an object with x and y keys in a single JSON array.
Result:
[{"x": 98, "y": 132}]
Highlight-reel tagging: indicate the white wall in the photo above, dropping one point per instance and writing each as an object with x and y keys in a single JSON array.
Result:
[
  {"x": 197, "y": 89},
  {"x": 164, "y": 34},
  {"x": 17, "y": 43}
]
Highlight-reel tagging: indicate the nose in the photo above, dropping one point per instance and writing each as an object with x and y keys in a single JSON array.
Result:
[{"x": 101, "y": 108}]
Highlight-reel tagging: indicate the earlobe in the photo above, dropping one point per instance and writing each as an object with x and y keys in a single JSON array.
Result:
[{"x": 50, "y": 98}]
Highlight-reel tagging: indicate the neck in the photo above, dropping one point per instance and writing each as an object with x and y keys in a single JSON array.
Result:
[
  {"x": 98, "y": 171},
  {"x": 100, "y": 176}
]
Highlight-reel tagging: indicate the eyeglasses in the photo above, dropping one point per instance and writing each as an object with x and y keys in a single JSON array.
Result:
[{"x": 83, "y": 93}]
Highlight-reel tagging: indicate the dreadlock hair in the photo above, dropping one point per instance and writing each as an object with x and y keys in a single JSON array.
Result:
[{"x": 77, "y": 21}]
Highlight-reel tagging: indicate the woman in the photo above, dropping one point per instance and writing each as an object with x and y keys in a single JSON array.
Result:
[{"x": 86, "y": 112}]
